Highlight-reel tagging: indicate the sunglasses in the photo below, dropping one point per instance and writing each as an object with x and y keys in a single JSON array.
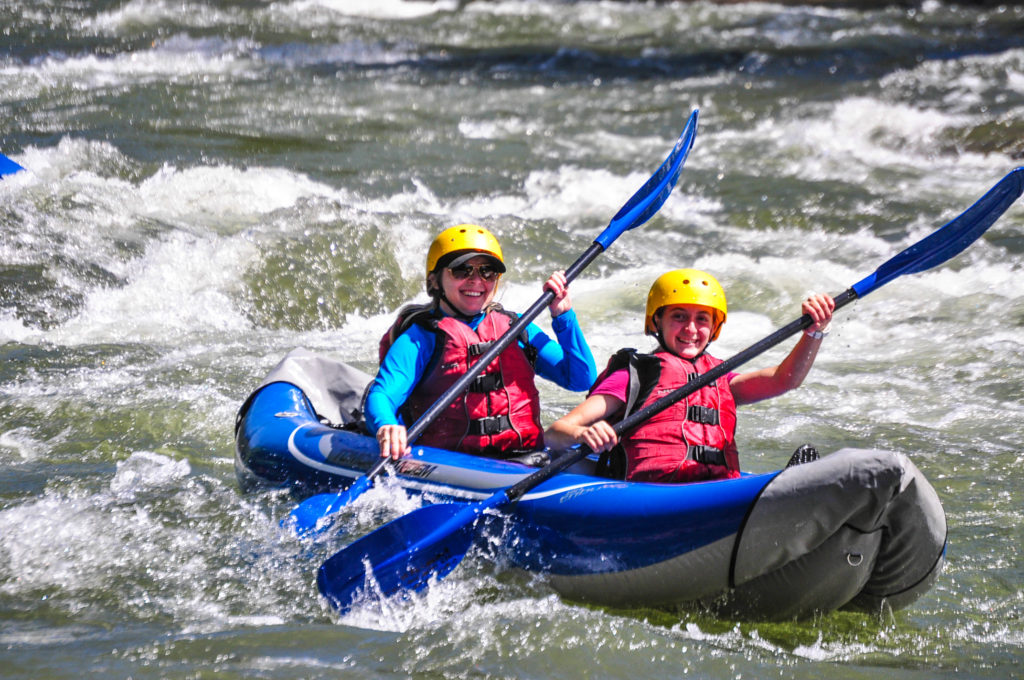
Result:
[{"x": 464, "y": 271}]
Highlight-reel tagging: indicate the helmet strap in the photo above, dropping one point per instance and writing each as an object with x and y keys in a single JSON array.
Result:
[
  {"x": 455, "y": 312},
  {"x": 661, "y": 340}
]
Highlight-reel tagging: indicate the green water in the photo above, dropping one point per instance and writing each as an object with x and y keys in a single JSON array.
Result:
[{"x": 212, "y": 184}]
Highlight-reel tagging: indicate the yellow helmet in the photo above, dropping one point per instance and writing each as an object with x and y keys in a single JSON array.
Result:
[
  {"x": 468, "y": 239},
  {"x": 686, "y": 287}
]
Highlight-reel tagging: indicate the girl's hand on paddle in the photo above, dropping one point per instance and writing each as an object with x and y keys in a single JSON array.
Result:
[
  {"x": 392, "y": 441},
  {"x": 599, "y": 437},
  {"x": 558, "y": 285},
  {"x": 819, "y": 306}
]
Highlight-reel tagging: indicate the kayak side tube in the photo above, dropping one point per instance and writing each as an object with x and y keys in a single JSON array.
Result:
[{"x": 858, "y": 529}]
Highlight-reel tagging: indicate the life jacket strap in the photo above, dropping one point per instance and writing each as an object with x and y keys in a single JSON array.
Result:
[
  {"x": 489, "y": 382},
  {"x": 702, "y": 414},
  {"x": 491, "y": 425},
  {"x": 708, "y": 455},
  {"x": 531, "y": 352},
  {"x": 479, "y": 348}
]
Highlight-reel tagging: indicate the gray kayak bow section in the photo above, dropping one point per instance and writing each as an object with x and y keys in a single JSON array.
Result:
[
  {"x": 864, "y": 512},
  {"x": 856, "y": 529}
]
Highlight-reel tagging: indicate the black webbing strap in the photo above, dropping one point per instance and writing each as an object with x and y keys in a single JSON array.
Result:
[
  {"x": 708, "y": 455},
  {"x": 489, "y": 426},
  {"x": 702, "y": 414}
]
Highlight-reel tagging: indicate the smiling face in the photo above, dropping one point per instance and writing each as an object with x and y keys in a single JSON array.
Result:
[
  {"x": 468, "y": 296},
  {"x": 685, "y": 329}
]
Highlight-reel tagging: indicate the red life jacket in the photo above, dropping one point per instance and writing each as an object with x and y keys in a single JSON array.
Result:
[
  {"x": 499, "y": 415},
  {"x": 691, "y": 440}
]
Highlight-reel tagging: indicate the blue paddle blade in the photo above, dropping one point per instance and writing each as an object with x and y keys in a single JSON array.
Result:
[
  {"x": 404, "y": 554},
  {"x": 650, "y": 197},
  {"x": 304, "y": 519},
  {"x": 306, "y": 516},
  {"x": 7, "y": 166},
  {"x": 950, "y": 239}
]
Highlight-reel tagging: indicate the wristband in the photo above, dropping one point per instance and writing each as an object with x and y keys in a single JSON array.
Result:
[{"x": 819, "y": 334}]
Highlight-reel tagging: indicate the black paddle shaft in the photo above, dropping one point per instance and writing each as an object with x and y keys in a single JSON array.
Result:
[{"x": 626, "y": 424}]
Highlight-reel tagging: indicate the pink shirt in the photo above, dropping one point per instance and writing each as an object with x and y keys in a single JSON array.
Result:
[
  {"x": 617, "y": 383},
  {"x": 614, "y": 385}
]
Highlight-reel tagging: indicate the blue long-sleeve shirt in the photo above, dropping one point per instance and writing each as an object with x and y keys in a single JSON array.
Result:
[{"x": 567, "y": 362}]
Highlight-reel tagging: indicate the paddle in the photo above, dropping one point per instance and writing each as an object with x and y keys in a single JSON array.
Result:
[
  {"x": 429, "y": 542},
  {"x": 7, "y": 166},
  {"x": 306, "y": 518}
]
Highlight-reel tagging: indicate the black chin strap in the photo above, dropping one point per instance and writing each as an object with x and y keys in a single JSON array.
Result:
[{"x": 439, "y": 297}]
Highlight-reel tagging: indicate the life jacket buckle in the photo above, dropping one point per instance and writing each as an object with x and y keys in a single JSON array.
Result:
[
  {"x": 478, "y": 348},
  {"x": 702, "y": 414},
  {"x": 708, "y": 455},
  {"x": 489, "y": 382},
  {"x": 490, "y": 426}
]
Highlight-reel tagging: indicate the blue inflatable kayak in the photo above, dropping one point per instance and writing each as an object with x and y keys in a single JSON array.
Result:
[{"x": 857, "y": 528}]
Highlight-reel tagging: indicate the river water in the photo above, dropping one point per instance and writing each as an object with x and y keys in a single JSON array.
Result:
[{"x": 211, "y": 184}]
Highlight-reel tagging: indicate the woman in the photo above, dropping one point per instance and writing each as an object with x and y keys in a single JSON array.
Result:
[
  {"x": 431, "y": 346},
  {"x": 694, "y": 439}
]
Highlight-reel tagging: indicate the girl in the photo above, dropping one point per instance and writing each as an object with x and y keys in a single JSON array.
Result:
[
  {"x": 430, "y": 346},
  {"x": 694, "y": 439}
]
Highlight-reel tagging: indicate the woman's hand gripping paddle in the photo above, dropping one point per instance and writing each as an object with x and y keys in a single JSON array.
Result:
[
  {"x": 306, "y": 517},
  {"x": 431, "y": 541}
]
